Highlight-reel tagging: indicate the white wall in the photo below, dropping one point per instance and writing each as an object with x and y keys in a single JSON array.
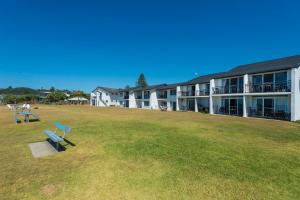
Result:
[
  {"x": 295, "y": 96},
  {"x": 132, "y": 102},
  {"x": 153, "y": 100}
]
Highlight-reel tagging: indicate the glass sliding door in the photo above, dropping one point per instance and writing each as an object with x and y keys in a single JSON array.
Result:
[
  {"x": 269, "y": 107},
  {"x": 233, "y": 85},
  {"x": 268, "y": 83},
  {"x": 226, "y": 86},
  {"x": 240, "y": 85},
  {"x": 233, "y": 107},
  {"x": 191, "y": 104},
  {"x": 259, "y": 107},
  {"x": 281, "y": 83},
  {"x": 240, "y": 106},
  {"x": 257, "y": 83}
]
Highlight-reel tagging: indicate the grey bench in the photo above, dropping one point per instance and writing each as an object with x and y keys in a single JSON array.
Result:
[{"x": 52, "y": 135}]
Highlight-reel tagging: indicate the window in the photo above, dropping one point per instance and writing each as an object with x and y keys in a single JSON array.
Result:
[
  {"x": 281, "y": 77},
  {"x": 173, "y": 92},
  {"x": 146, "y": 94},
  {"x": 257, "y": 79},
  {"x": 241, "y": 85},
  {"x": 268, "y": 78},
  {"x": 146, "y": 103}
]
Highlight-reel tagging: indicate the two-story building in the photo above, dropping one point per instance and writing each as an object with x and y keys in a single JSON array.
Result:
[{"x": 269, "y": 89}]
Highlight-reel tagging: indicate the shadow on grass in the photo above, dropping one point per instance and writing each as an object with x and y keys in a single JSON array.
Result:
[{"x": 61, "y": 147}]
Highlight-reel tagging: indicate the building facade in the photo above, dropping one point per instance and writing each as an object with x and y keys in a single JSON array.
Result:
[{"x": 269, "y": 89}]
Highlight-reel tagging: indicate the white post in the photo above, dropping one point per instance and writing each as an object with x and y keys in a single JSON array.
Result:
[
  {"x": 245, "y": 98},
  {"x": 142, "y": 99},
  {"x": 211, "y": 102},
  {"x": 295, "y": 95},
  {"x": 168, "y": 101},
  {"x": 153, "y": 99},
  {"x": 197, "y": 93},
  {"x": 177, "y": 99},
  {"x": 132, "y": 103}
]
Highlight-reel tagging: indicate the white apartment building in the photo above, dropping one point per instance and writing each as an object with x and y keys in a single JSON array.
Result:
[{"x": 269, "y": 89}]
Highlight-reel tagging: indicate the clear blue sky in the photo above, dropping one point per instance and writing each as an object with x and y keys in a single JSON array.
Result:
[{"x": 82, "y": 44}]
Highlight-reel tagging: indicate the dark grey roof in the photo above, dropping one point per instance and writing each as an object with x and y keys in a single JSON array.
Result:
[
  {"x": 266, "y": 66},
  {"x": 149, "y": 87},
  {"x": 169, "y": 86},
  {"x": 205, "y": 78},
  {"x": 110, "y": 90},
  {"x": 259, "y": 67}
]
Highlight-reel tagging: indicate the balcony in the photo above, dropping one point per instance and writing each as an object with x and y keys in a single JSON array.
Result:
[
  {"x": 162, "y": 96},
  {"x": 269, "y": 87},
  {"x": 186, "y": 93},
  {"x": 231, "y": 110},
  {"x": 227, "y": 89},
  {"x": 126, "y": 97},
  {"x": 202, "y": 92},
  {"x": 146, "y": 96},
  {"x": 269, "y": 113}
]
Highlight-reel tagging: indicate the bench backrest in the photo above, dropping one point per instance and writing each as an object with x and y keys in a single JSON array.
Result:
[{"x": 64, "y": 128}]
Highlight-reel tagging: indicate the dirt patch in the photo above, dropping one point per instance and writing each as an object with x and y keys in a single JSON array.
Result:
[{"x": 49, "y": 190}]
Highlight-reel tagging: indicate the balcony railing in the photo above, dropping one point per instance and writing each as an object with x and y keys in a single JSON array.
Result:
[
  {"x": 227, "y": 89},
  {"x": 269, "y": 87},
  {"x": 126, "y": 97},
  {"x": 146, "y": 96},
  {"x": 232, "y": 110},
  {"x": 202, "y": 92},
  {"x": 162, "y": 96},
  {"x": 269, "y": 113},
  {"x": 138, "y": 97},
  {"x": 186, "y": 93}
]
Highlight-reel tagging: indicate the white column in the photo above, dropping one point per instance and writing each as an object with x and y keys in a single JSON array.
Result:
[
  {"x": 211, "y": 102},
  {"x": 245, "y": 98},
  {"x": 132, "y": 103},
  {"x": 97, "y": 98},
  {"x": 295, "y": 96},
  {"x": 153, "y": 99},
  {"x": 168, "y": 101},
  {"x": 142, "y": 99},
  {"x": 177, "y": 99},
  {"x": 197, "y": 88}
]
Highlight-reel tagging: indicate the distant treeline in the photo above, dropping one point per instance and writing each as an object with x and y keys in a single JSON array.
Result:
[
  {"x": 19, "y": 91},
  {"x": 23, "y": 94}
]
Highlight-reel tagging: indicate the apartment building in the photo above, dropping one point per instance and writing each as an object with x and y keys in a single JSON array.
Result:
[{"x": 269, "y": 89}]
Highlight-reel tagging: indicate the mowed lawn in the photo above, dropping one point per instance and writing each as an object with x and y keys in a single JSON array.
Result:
[{"x": 144, "y": 154}]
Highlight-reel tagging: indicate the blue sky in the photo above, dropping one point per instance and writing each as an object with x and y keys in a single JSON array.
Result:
[{"x": 82, "y": 44}]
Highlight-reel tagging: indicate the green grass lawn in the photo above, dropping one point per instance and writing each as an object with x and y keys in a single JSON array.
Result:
[{"x": 141, "y": 154}]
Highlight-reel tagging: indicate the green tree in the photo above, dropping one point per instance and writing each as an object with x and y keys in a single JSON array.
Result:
[
  {"x": 52, "y": 89},
  {"x": 56, "y": 96},
  {"x": 78, "y": 93},
  {"x": 141, "y": 82}
]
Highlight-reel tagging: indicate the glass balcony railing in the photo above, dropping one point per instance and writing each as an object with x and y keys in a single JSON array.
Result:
[
  {"x": 269, "y": 87},
  {"x": 202, "y": 92},
  {"x": 228, "y": 89},
  {"x": 186, "y": 93},
  {"x": 269, "y": 113}
]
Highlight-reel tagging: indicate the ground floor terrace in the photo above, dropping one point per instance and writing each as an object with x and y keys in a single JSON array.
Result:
[
  {"x": 195, "y": 104},
  {"x": 271, "y": 107},
  {"x": 148, "y": 154}
]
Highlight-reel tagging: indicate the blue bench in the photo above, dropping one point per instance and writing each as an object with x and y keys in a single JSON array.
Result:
[{"x": 52, "y": 135}]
